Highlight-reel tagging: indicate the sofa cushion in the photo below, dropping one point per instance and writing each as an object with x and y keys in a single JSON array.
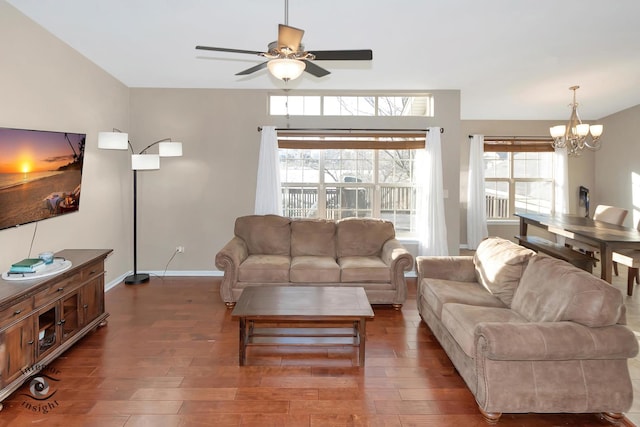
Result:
[
  {"x": 437, "y": 292},
  {"x": 362, "y": 236},
  {"x": 499, "y": 266},
  {"x": 364, "y": 269},
  {"x": 314, "y": 269},
  {"x": 461, "y": 320},
  {"x": 264, "y": 269},
  {"x": 313, "y": 237},
  {"x": 265, "y": 234},
  {"x": 553, "y": 290}
]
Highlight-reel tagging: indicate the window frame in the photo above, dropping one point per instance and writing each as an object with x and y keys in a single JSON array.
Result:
[
  {"x": 318, "y": 107},
  {"x": 512, "y": 146},
  {"x": 375, "y": 141}
]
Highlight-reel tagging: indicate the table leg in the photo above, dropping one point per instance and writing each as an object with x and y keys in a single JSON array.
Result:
[
  {"x": 362, "y": 334},
  {"x": 242, "y": 350},
  {"x": 523, "y": 227},
  {"x": 606, "y": 263}
]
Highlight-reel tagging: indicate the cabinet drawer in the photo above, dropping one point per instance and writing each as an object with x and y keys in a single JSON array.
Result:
[
  {"x": 57, "y": 289},
  {"x": 92, "y": 270},
  {"x": 15, "y": 311}
]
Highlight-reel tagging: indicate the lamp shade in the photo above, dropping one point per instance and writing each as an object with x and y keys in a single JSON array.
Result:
[
  {"x": 113, "y": 140},
  {"x": 582, "y": 129},
  {"x": 596, "y": 130},
  {"x": 286, "y": 69},
  {"x": 557, "y": 131},
  {"x": 170, "y": 149},
  {"x": 145, "y": 161}
]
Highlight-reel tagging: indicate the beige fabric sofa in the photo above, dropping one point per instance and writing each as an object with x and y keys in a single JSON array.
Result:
[
  {"x": 529, "y": 333},
  {"x": 269, "y": 250}
]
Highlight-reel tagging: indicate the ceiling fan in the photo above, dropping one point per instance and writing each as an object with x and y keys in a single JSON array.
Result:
[{"x": 287, "y": 58}]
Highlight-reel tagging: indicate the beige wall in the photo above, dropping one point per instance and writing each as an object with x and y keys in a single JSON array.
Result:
[
  {"x": 193, "y": 200},
  {"x": 46, "y": 85},
  {"x": 618, "y": 163},
  {"x": 580, "y": 168}
]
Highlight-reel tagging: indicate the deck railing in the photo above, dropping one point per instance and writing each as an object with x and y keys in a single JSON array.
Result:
[
  {"x": 496, "y": 207},
  {"x": 343, "y": 202}
]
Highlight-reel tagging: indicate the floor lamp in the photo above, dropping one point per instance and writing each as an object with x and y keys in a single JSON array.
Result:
[{"x": 142, "y": 161}]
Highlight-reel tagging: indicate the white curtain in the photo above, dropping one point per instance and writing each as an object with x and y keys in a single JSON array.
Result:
[
  {"x": 561, "y": 185},
  {"x": 476, "y": 210},
  {"x": 268, "y": 192},
  {"x": 561, "y": 181},
  {"x": 431, "y": 225}
]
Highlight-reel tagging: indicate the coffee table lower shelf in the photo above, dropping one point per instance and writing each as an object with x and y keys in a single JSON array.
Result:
[{"x": 304, "y": 336}]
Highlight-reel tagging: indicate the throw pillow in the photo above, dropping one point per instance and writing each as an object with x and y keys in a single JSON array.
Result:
[{"x": 499, "y": 264}]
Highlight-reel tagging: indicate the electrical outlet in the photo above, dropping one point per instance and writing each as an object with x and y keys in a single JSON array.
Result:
[{"x": 180, "y": 249}]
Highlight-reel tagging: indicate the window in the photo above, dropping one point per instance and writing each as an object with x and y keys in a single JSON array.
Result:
[
  {"x": 518, "y": 177},
  {"x": 303, "y": 105},
  {"x": 373, "y": 177}
]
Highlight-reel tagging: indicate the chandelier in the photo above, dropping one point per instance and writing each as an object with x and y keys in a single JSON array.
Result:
[{"x": 575, "y": 135}]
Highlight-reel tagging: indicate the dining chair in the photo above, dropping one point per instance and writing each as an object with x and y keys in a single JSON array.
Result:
[
  {"x": 604, "y": 213},
  {"x": 630, "y": 258}
]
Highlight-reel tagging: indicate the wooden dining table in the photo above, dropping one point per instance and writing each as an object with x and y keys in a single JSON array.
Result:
[{"x": 608, "y": 237}]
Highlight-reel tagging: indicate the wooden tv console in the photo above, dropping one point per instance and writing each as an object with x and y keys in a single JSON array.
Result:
[{"x": 41, "y": 318}]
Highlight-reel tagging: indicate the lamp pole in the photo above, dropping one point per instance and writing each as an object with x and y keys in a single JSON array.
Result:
[{"x": 135, "y": 278}]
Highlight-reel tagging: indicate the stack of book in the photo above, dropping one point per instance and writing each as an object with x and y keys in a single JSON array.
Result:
[{"x": 27, "y": 265}]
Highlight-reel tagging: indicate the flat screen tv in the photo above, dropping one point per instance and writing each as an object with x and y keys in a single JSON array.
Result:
[{"x": 40, "y": 174}]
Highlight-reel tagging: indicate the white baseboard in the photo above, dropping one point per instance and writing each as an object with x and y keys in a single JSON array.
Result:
[
  {"x": 169, "y": 273},
  {"x": 193, "y": 273}
]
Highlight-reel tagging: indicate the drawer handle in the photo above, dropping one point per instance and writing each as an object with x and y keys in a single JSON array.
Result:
[
  {"x": 92, "y": 272},
  {"x": 85, "y": 306},
  {"x": 15, "y": 313},
  {"x": 30, "y": 342},
  {"x": 61, "y": 322},
  {"x": 60, "y": 289}
]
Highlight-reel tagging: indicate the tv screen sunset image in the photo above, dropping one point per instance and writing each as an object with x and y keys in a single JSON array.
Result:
[{"x": 40, "y": 174}]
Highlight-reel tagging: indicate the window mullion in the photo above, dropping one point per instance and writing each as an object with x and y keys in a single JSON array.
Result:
[
  {"x": 512, "y": 187},
  {"x": 375, "y": 208},
  {"x": 322, "y": 189}
]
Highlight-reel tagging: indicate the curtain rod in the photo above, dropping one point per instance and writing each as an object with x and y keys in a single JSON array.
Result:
[
  {"x": 352, "y": 130},
  {"x": 520, "y": 138}
]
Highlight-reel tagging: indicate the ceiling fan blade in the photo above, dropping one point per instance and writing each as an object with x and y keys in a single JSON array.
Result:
[
  {"x": 317, "y": 71},
  {"x": 253, "y": 69},
  {"x": 343, "y": 55},
  {"x": 289, "y": 37},
  {"x": 224, "y": 49}
]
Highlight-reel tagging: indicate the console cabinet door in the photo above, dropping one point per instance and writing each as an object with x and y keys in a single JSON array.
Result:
[
  {"x": 92, "y": 300},
  {"x": 70, "y": 321},
  {"x": 47, "y": 329},
  {"x": 17, "y": 350}
]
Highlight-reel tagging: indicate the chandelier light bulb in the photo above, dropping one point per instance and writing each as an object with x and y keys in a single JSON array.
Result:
[
  {"x": 596, "y": 130},
  {"x": 557, "y": 131},
  {"x": 582, "y": 129}
]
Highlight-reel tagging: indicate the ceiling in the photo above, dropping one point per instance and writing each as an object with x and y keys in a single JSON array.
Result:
[{"x": 511, "y": 59}]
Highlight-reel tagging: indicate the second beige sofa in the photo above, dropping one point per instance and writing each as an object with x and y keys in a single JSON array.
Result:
[{"x": 529, "y": 333}]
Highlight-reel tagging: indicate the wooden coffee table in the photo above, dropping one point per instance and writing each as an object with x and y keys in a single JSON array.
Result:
[{"x": 303, "y": 314}]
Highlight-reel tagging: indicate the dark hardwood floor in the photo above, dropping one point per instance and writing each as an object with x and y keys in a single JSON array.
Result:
[{"x": 169, "y": 357}]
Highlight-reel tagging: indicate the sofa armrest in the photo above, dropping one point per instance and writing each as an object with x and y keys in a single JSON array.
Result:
[
  {"x": 553, "y": 341},
  {"x": 458, "y": 268},
  {"x": 399, "y": 260},
  {"x": 228, "y": 260},
  {"x": 396, "y": 255}
]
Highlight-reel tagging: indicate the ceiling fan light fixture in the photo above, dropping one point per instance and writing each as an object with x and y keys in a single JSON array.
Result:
[{"x": 286, "y": 69}]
